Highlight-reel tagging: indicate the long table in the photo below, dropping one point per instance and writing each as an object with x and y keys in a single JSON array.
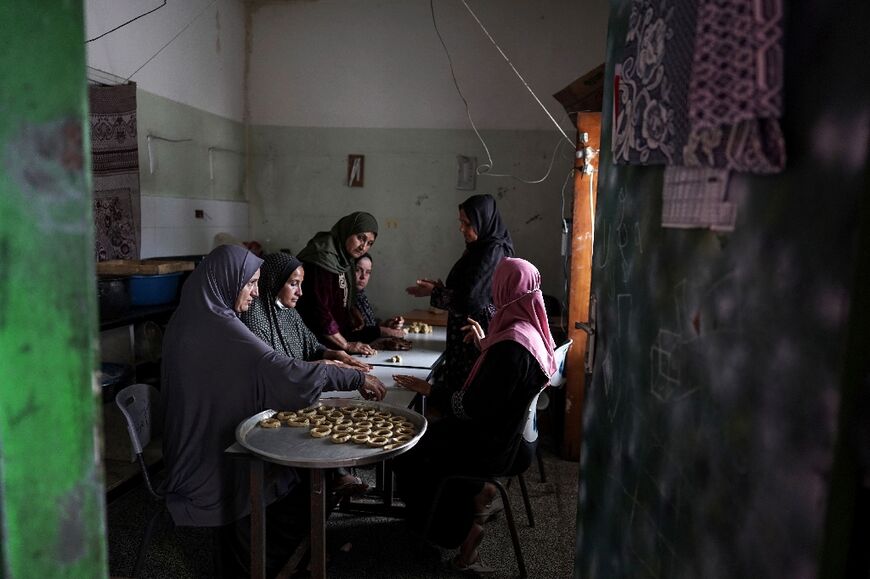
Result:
[
  {"x": 396, "y": 395},
  {"x": 426, "y": 351}
]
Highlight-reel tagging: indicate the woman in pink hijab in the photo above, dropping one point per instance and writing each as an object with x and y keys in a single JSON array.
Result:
[{"x": 488, "y": 413}]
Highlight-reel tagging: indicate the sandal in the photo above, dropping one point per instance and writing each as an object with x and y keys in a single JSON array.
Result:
[
  {"x": 492, "y": 508},
  {"x": 476, "y": 567}
]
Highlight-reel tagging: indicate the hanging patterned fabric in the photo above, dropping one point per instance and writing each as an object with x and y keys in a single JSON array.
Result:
[
  {"x": 115, "y": 171},
  {"x": 700, "y": 85}
]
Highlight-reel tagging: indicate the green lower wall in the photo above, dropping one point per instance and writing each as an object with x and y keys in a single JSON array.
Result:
[{"x": 182, "y": 169}]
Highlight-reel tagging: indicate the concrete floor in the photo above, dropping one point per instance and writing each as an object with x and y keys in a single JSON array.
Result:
[{"x": 369, "y": 546}]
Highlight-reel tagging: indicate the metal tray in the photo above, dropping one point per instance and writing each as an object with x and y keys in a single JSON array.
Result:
[{"x": 296, "y": 447}]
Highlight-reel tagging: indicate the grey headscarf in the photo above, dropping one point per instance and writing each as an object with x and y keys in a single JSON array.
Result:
[{"x": 215, "y": 374}]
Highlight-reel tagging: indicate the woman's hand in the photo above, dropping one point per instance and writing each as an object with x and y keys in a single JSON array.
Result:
[
  {"x": 388, "y": 332},
  {"x": 423, "y": 287},
  {"x": 359, "y": 348},
  {"x": 337, "y": 356},
  {"x": 396, "y": 323},
  {"x": 373, "y": 388},
  {"x": 473, "y": 333},
  {"x": 413, "y": 384}
]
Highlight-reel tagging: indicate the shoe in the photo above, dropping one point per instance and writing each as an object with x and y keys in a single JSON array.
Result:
[
  {"x": 494, "y": 507},
  {"x": 350, "y": 486},
  {"x": 476, "y": 567}
]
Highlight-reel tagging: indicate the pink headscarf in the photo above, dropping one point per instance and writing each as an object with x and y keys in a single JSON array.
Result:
[{"x": 520, "y": 314}]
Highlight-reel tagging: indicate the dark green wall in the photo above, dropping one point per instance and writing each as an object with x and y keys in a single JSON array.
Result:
[{"x": 51, "y": 491}]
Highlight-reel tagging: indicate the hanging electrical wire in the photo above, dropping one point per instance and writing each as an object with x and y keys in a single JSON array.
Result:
[
  {"x": 171, "y": 40},
  {"x": 566, "y": 251},
  {"x": 126, "y": 23},
  {"x": 508, "y": 60},
  {"x": 486, "y": 168}
]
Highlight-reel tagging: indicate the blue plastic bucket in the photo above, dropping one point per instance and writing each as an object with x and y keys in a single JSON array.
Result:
[{"x": 153, "y": 290}]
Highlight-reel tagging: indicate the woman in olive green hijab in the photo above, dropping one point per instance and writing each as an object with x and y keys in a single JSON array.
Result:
[{"x": 329, "y": 259}]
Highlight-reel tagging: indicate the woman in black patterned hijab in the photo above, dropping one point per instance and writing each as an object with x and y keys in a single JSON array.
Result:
[{"x": 274, "y": 319}]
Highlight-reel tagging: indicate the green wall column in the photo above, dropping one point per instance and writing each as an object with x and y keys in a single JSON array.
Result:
[{"x": 51, "y": 484}]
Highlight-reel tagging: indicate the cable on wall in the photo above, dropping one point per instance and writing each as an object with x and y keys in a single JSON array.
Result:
[
  {"x": 566, "y": 253},
  {"x": 486, "y": 168},
  {"x": 126, "y": 23},
  {"x": 149, "y": 138}
]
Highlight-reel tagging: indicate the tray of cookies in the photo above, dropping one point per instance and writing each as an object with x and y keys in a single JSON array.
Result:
[{"x": 332, "y": 433}]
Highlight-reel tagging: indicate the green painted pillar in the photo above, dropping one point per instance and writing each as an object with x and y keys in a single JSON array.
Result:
[{"x": 52, "y": 501}]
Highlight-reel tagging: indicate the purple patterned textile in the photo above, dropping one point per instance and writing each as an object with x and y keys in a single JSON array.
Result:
[
  {"x": 115, "y": 153},
  {"x": 700, "y": 85}
]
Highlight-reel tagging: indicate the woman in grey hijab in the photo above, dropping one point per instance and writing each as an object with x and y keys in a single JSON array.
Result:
[
  {"x": 273, "y": 318},
  {"x": 215, "y": 374}
]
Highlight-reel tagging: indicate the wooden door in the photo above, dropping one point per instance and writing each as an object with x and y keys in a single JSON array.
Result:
[{"x": 583, "y": 233}]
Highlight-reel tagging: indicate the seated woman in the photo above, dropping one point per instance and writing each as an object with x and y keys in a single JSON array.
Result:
[
  {"x": 215, "y": 374},
  {"x": 329, "y": 258},
  {"x": 273, "y": 318},
  {"x": 368, "y": 328},
  {"x": 489, "y": 412}
]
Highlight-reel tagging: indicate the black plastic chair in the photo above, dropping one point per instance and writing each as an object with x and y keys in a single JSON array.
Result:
[
  {"x": 523, "y": 454},
  {"x": 140, "y": 406}
]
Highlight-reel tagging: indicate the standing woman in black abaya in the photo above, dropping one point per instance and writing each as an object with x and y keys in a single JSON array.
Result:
[{"x": 467, "y": 292}]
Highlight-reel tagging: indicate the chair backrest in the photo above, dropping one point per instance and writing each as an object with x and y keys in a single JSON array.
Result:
[
  {"x": 527, "y": 442},
  {"x": 530, "y": 430},
  {"x": 140, "y": 404},
  {"x": 558, "y": 377}
]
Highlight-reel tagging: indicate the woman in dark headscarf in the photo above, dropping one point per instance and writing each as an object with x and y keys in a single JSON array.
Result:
[
  {"x": 329, "y": 259},
  {"x": 274, "y": 319},
  {"x": 468, "y": 291},
  {"x": 369, "y": 327},
  {"x": 215, "y": 374},
  {"x": 487, "y": 415}
]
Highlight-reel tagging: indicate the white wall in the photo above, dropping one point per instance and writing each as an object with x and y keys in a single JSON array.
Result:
[
  {"x": 170, "y": 226},
  {"x": 193, "y": 89},
  {"x": 203, "y": 67},
  {"x": 378, "y": 63}
]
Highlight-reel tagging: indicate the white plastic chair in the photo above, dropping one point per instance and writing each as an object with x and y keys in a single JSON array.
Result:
[
  {"x": 557, "y": 380},
  {"x": 140, "y": 405}
]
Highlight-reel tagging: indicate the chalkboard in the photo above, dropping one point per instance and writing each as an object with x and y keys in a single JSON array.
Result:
[{"x": 710, "y": 421}]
